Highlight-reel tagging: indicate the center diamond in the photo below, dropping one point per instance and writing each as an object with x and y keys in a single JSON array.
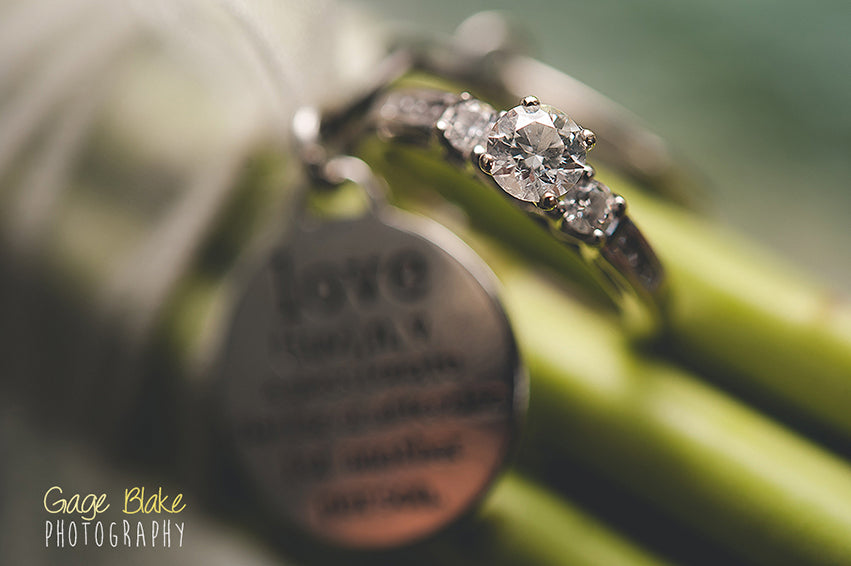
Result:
[{"x": 536, "y": 149}]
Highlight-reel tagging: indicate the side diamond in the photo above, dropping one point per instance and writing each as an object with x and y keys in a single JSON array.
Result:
[
  {"x": 590, "y": 206},
  {"x": 466, "y": 123},
  {"x": 411, "y": 113}
]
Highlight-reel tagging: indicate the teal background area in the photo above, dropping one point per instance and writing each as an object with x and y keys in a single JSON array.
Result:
[{"x": 756, "y": 96}]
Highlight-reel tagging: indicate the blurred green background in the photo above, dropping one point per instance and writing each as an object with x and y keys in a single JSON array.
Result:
[{"x": 753, "y": 95}]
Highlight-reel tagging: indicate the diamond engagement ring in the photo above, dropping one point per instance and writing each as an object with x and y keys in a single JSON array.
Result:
[{"x": 536, "y": 155}]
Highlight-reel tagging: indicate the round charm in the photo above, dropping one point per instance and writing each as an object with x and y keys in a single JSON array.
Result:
[{"x": 370, "y": 383}]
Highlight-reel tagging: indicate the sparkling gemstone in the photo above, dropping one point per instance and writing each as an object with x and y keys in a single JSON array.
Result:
[
  {"x": 412, "y": 112},
  {"x": 590, "y": 206},
  {"x": 536, "y": 150},
  {"x": 465, "y": 124}
]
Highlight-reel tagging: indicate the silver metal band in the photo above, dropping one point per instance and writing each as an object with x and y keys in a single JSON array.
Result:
[
  {"x": 487, "y": 56},
  {"x": 535, "y": 155},
  {"x": 623, "y": 262}
]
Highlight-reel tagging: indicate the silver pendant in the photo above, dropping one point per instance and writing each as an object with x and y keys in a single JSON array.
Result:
[{"x": 371, "y": 384}]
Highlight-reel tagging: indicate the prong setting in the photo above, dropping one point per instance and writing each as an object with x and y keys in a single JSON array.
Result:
[
  {"x": 530, "y": 101},
  {"x": 597, "y": 238},
  {"x": 486, "y": 163},
  {"x": 588, "y": 139},
  {"x": 618, "y": 206},
  {"x": 548, "y": 202}
]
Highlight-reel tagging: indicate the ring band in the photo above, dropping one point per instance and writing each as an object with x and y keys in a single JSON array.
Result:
[
  {"x": 535, "y": 155},
  {"x": 499, "y": 70}
]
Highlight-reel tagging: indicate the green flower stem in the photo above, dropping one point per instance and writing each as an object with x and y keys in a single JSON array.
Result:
[
  {"x": 712, "y": 462},
  {"x": 753, "y": 319}
]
